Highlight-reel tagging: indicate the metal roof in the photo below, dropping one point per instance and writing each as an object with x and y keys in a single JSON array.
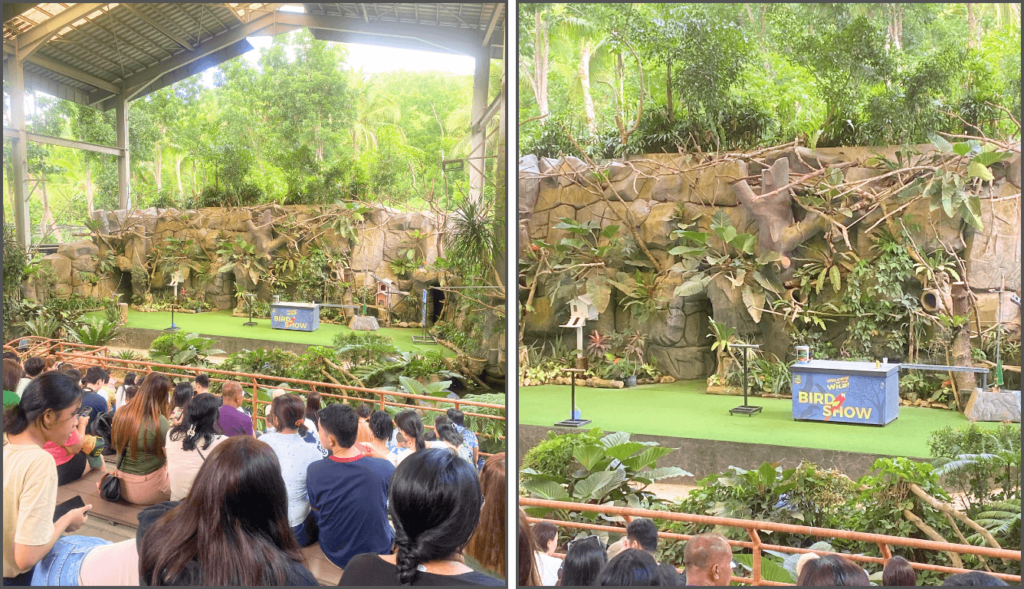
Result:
[{"x": 88, "y": 53}]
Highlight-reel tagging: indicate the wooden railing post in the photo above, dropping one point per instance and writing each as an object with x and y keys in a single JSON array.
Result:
[{"x": 756, "y": 572}]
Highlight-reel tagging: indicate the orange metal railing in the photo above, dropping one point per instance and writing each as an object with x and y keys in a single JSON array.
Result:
[
  {"x": 756, "y": 546},
  {"x": 84, "y": 356}
]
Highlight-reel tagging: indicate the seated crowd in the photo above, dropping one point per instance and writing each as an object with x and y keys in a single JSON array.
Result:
[
  {"x": 707, "y": 557},
  {"x": 228, "y": 505}
]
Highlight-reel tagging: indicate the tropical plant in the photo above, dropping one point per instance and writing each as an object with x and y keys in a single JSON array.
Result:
[
  {"x": 95, "y": 332},
  {"x": 363, "y": 348},
  {"x": 981, "y": 465},
  {"x": 127, "y": 355},
  {"x": 405, "y": 263},
  {"x": 44, "y": 326},
  {"x": 472, "y": 242},
  {"x": 434, "y": 389},
  {"x": 182, "y": 349}
]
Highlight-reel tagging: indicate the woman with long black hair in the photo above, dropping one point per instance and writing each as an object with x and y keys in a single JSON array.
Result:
[
  {"x": 190, "y": 443},
  {"x": 231, "y": 529},
  {"x": 47, "y": 412},
  {"x": 434, "y": 504}
]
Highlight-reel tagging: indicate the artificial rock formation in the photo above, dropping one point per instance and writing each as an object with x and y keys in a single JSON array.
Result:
[{"x": 642, "y": 194}]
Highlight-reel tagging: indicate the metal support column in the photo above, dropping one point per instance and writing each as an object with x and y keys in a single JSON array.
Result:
[
  {"x": 123, "y": 169},
  {"x": 19, "y": 152},
  {"x": 478, "y": 136}
]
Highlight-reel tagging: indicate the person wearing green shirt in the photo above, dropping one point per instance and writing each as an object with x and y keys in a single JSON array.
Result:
[
  {"x": 12, "y": 375},
  {"x": 138, "y": 435}
]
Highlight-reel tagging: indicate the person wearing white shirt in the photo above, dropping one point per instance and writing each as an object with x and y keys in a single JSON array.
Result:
[{"x": 546, "y": 537}]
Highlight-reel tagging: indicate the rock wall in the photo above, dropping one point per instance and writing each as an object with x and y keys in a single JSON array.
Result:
[
  {"x": 652, "y": 187},
  {"x": 131, "y": 235}
]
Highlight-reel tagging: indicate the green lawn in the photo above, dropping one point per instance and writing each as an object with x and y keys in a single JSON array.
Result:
[
  {"x": 684, "y": 410},
  {"x": 221, "y": 323}
]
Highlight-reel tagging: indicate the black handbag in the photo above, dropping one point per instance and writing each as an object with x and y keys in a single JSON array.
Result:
[{"x": 110, "y": 485}]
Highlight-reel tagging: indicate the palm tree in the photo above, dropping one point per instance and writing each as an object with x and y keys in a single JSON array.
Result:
[
  {"x": 374, "y": 109},
  {"x": 580, "y": 44}
]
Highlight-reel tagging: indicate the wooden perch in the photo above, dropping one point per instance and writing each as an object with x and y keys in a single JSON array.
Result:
[
  {"x": 931, "y": 533},
  {"x": 345, "y": 372},
  {"x": 952, "y": 511},
  {"x": 266, "y": 244}
]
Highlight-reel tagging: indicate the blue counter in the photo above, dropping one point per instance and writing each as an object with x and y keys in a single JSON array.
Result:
[
  {"x": 845, "y": 392},
  {"x": 295, "y": 316}
]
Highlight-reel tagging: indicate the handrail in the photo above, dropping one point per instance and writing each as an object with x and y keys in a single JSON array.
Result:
[{"x": 757, "y": 547}]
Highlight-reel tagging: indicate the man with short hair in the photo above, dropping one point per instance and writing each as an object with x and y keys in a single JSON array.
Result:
[
  {"x": 233, "y": 421},
  {"x": 33, "y": 367},
  {"x": 201, "y": 384},
  {"x": 348, "y": 491},
  {"x": 468, "y": 438},
  {"x": 642, "y": 534},
  {"x": 95, "y": 379},
  {"x": 708, "y": 560}
]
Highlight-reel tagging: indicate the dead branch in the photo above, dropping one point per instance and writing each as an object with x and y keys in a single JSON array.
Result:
[
  {"x": 931, "y": 533},
  {"x": 950, "y": 510}
]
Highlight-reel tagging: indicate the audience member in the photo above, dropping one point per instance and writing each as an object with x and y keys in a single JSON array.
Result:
[
  {"x": 190, "y": 442},
  {"x": 287, "y": 415},
  {"x": 832, "y": 570},
  {"x": 435, "y": 504},
  {"x": 48, "y": 412},
  {"x": 95, "y": 379},
  {"x": 632, "y": 567},
  {"x": 642, "y": 534},
  {"x": 468, "y": 438},
  {"x": 201, "y": 384},
  {"x": 382, "y": 427},
  {"x": 487, "y": 546},
  {"x": 50, "y": 363},
  {"x": 973, "y": 579},
  {"x": 529, "y": 573},
  {"x": 668, "y": 576},
  {"x": 12, "y": 356},
  {"x": 12, "y": 376},
  {"x": 708, "y": 559},
  {"x": 450, "y": 438},
  {"x": 348, "y": 491},
  {"x": 802, "y": 562},
  {"x": 231, "y": 528},
  {"x": 545, "y": 536},
  {"x": 898, "y": 573},
  {"x": 82, "y": 561},
  {"x": 71, "y": 462},
  {"x": 33, "y": 367},
  {"x": 410, "y": 425},
  {"x": 365, "y": 435},
  {"x": 183, "y": 394},
  {"x": 233, "y": 421},
  {"x": 119, "y": 397},
  {"x": 614, "y": 549},
  {"x": 313, "y": 405},
  {"x": 140, "y": 430},
  {"x": 584, "y": 560}
]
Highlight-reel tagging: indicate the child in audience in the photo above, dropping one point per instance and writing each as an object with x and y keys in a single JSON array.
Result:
[
  {"x": 48, "y": 412},
  {"x": 348, "y": 491},
  {"x": 231, "y": 528},
  {"x": 435, "y": 506},
  {"x": 545, "y": 537},
  {"x": 140, "y": 430},
  {"x": 190, "y": 443},
  {"x": 487, "y": 546},
  {"x": 183, "y": 394},
  {"x": 287, "y": 415}
]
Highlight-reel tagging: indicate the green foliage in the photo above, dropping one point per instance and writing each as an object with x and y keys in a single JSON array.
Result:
[
  {"x": 405, "y": 263},
  {"x": 472, "y": 242},
  {"x": 364, "y": 348},
  {"x": 14, "y": 264},
  {"x": 181, "y": 349},
  {"x": 981, "y": 464},
  {"x": 95, "y": 332}
]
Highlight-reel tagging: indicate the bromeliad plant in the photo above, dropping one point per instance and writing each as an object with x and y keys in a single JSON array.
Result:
[
  {"x": 607, "y": 469},
  {"x": 183, "y": 349}
]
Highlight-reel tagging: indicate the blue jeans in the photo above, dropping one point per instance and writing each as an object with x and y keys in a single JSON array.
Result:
[
  {"x": 307, "y": 533},
  {"x": 63, "y": 565}
]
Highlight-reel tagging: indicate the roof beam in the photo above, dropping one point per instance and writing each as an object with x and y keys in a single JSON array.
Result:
[
  {"x": 160, "y": 29},
  {"x": 232, "y": 9},
  {"x": 448, "y": 39},
  {"x": 488, "y": 114},
  {"x": 74, "y": 74},
  {"x": 52, "y": 87},
  {"x": 34, "y": 38},
  {"x": 136, "y": 83},
  {"x": 498, "y": 10},
  {"x": 65, "y": 142},
  {"x": 13, "y": 9}
]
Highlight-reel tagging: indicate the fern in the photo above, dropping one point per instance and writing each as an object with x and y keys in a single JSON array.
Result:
[{"x": 1000, "y": 519}]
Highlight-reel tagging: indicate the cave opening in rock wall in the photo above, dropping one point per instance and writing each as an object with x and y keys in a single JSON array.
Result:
[{"x": 435, "y": 301}]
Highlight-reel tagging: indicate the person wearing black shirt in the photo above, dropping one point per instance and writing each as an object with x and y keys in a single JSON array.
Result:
[{"x": 435, "y": 505}]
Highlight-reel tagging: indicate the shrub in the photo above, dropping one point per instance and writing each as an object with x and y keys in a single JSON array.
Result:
[
  {"x": 982, "y": 464},
  {"x": 182, "y": 349},
  {"x": 95, "y": 332}
]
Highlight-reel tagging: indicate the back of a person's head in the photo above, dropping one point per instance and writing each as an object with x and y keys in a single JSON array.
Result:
[
  {"x": 668, "y": 576},
  {"x": 381, "y": 425},
  {"x": 50, "y": 363},
  {"x": 488, "y": 543},
  {"x": 129, "y": 392},
  {"x": 34, "y": 366},
  {"x": 129, "y": 379},
  {"x": 363, "y": 411},
  {"x": 528, "y": 574},
  {"x": 198, "y": 423},
  {"x": 643, "y": 531},
  {"x": 544, "y": 533},
  {"x": 313, "y": 405},
  {"x": 8, "y": 355},
  {"x": 631, "y": 567},
  {"x": 832, "y": 570},
  {"x": 899, "y": 573},
  {"x": 74, "y": 374},
  {"x": 150, "y": 402},
  {"x": 51, "y": 392},
  {"x": 203, "y": 381},
  {"x": 340, "y": 421},
  {"x": 411, "y": 425},
  {"x": 95, "y": 375},
  {"x": 708, "y": 555},
  {"x": 457, "y": 417},
  {"x": 434, "y": 502},
  {"x": 289, "y": 413},
  {"x": 234, "y": 523},
  {"x": 446, "y": 431},
  {"x": 183, "y": 393},
  {"x": 973, "y": 579},
  {"x": 231, "y": 390},
  {"x": 584, "y": 560},
  {"x": 13, "y": 374}
]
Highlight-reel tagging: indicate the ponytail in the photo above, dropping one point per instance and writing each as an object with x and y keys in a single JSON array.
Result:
[
  {"x": 15, "y": 420},
  {"x": 412, "y": 427},
  {"x": 52, "y": 391}
]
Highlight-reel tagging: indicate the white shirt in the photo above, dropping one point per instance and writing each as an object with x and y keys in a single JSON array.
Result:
[
  {"x": 295, "y": 456},
  {"x": 547, "y": 566}
]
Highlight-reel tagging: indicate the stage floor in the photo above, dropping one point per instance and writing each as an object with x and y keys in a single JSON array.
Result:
[
  {"x": 683, "y": 409},
  {"x": 222, "y": 323}
]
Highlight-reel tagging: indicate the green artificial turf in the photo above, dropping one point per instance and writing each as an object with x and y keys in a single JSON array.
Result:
[
  {"x": 684, "y": 410},
  {"x": 222, "y": 323}
]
